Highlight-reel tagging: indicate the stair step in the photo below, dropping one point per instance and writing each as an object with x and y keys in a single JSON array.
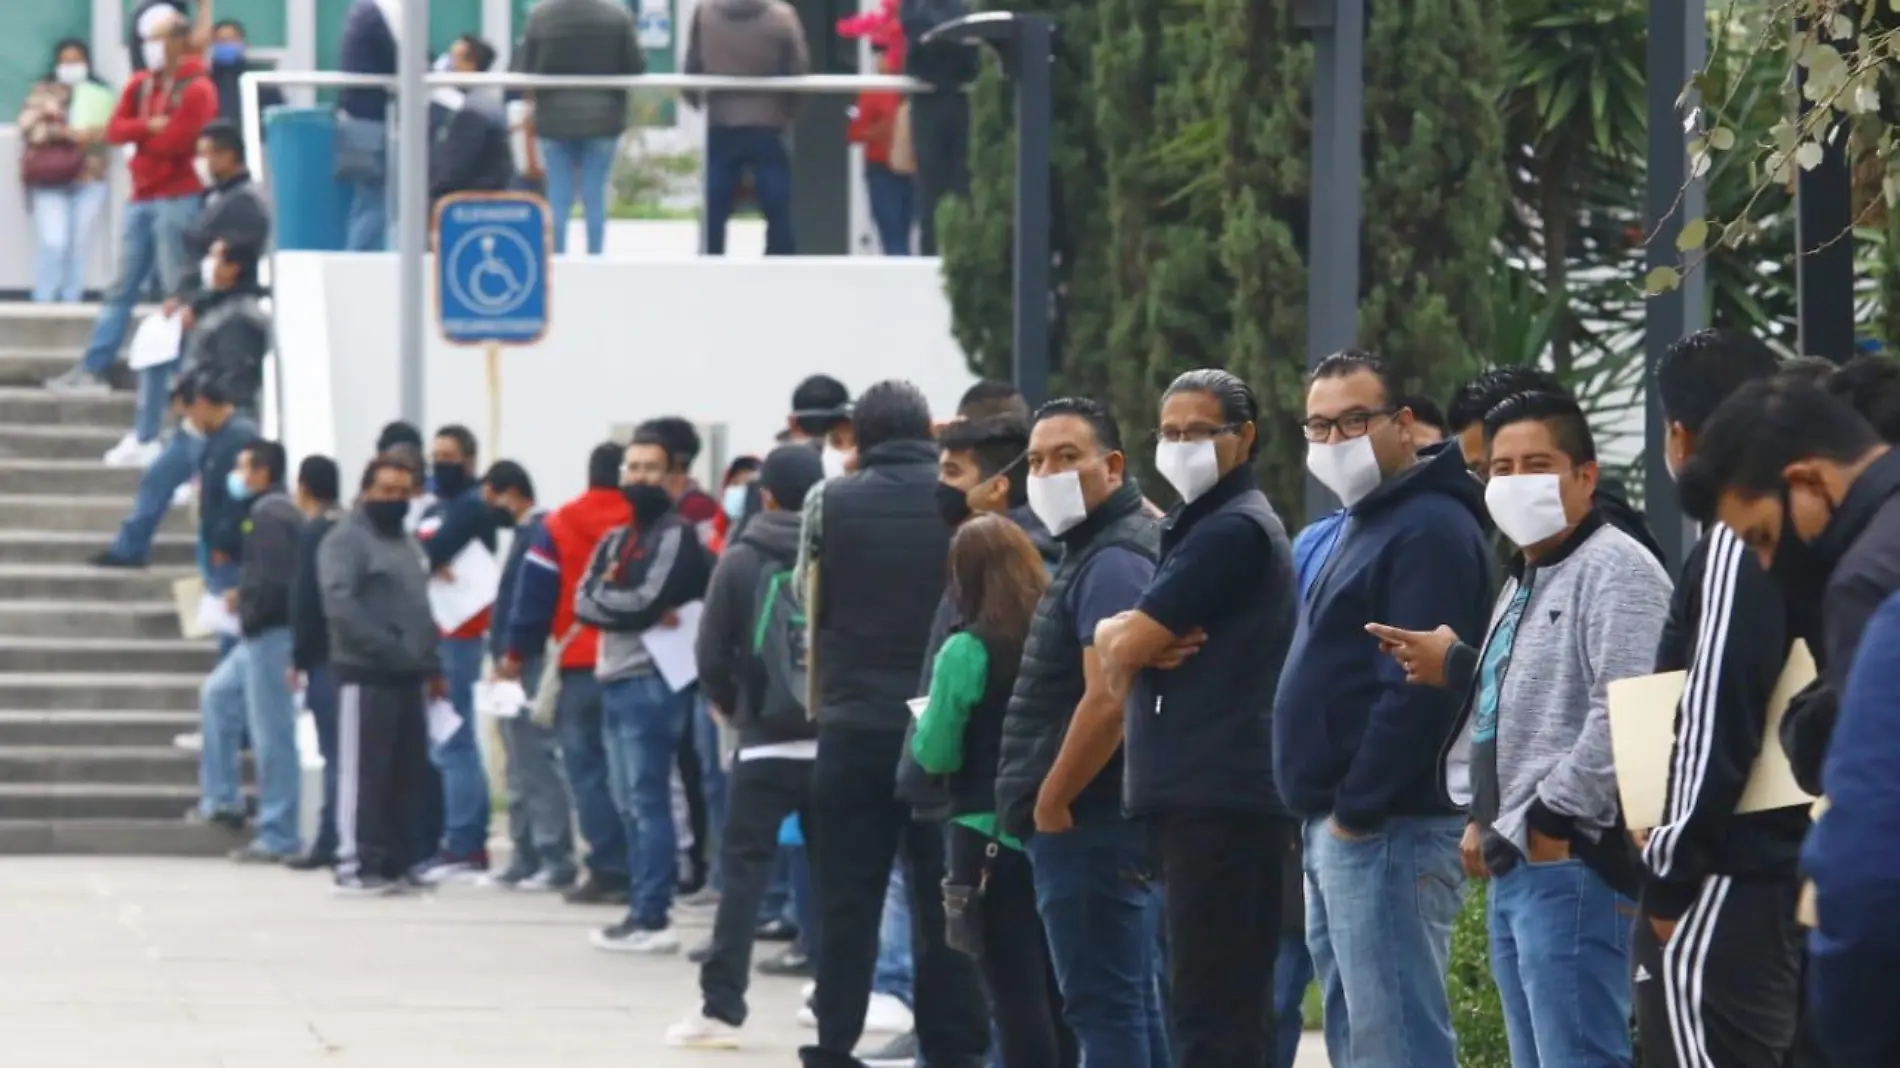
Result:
[
  {"x": 79, "y": 546},
  {"x": 36, "y": 406},
  {"x": 45, "y": 511},
  {"x": 116, "y": 765},
  {"x": 163, "y": 836},
  {"x": 31, "y": 366},
  {"x": 96, "y": 801},
  {"x": 107, "y": 655},
  {"x": 81, "y": 582},
  {"x": 33, "y": 475},
  {"x": 56, "y": 619},
  {"x": 159, "y": 692},
  {"x": 75, "y": 441},
  {"x": 42, "y": 728},
  {"x": 62, "y": 328}
]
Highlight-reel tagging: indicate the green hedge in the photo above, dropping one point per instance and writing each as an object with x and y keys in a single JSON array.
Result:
[{"x": 1476, "y": 1014}]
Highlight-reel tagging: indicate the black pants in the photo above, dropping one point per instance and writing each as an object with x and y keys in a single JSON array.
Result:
[
  {"x": 1725, "y": 991},
  {"x": 383, "y": 739},
  {"x": 940, "y": 135},
  {"x": 1222, "y": 879},
  {"x": 859, "y": 828},
  {"x": 693, "y": 783},
  {"x": 763, "y": 793},
  {"x": 1024, "y": 998}
]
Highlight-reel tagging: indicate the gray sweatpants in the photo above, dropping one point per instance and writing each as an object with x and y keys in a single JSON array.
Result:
[{"x": 540, "y": 823}]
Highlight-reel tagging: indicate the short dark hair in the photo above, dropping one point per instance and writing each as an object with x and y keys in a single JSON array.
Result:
[
  {"x": 1483, "y": 393},
  {"x": 1352, "y": 361},
  {"x": 1816, "y": 369},
  {"x": 268, "y": 455},
  {"x": 990, "y": 398},
  {"x": 1425, "y": 410},
  {"x": 398, "y": 432},
  {"x": 185, "y": 388},
  {"x": 241, "y": 254},
  {"x": 212, "y": 390},
  {"x": 1559, "y": 412},
  {"x": 463, "y": 437},
  {"x": 230, "y": 24},
  {"x": 224, "y": 137},
  {"x": 603, "y": 465},
  {"x": 386, "y": 462},
  {"x": 319, "y": 477},
  {"x": 891, "y": 410},
  {"x": 506, "y": 475},
  {"x": 1764, "y": 426},
  {"x": 676, "y": 435},
  {"x": 1236, "y": 398},
  {"x": 1698, "y": 373},
  {"x": 1108, "y": 433},
  {"x": 820, "y": 403},
  {"x": 998, "y": 445},
  {"x": 1871, "y": 384},
  {"x": 480, "y": 52}
]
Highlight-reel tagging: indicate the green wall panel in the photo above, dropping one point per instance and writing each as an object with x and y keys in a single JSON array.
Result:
[
  {"x": 264, "y": 20},
  {"x": 28, "y": 31}
]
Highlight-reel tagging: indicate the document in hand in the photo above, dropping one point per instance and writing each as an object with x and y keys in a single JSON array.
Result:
[
  {"x": 187, "y": 594},
  {"x": 444, "y": 721},
  {"x": 1643, "y": 736},
  {"x": 475, "y": 576},
  {"x": 159, "y": 340},
  {"x": 500, "y": 699},
  {"x": 672, "y": 647}
]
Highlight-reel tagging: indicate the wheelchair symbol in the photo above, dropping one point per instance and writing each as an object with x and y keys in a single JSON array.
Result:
[{"x": 492, "y": 271}]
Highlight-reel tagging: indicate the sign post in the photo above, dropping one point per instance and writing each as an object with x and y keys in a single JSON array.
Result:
[{"x": 491, "y": 279}]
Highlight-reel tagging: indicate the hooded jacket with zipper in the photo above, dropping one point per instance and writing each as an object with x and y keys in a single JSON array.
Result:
[
  {"x": 234, "y": 212},
  {"x": 376, "y": 600},
  {"x": 162, "y": 168},
  {"x": 449, "y": 526},
  {"x": 639, "y": 573},
  {"x": 269, "y": 572},
  {"x": 1352, "y": 738},
  {"x": 730, "y": 674},
  {"x": 557, "y": 558},
  {"x": 1593, "y": 612},
  {"x": 229, "y": 341}
]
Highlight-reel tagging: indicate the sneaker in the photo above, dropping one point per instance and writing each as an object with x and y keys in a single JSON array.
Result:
[
  {"x": 700, "y": 1031},
  {"x": 545, "y": 882},
  {"x": 791, "y": 964},
  {"x": 191, "y": 742},
  {"x": 257, "y": 854},
  {"x": 229, "y": 819},
  {"x": 356, "y": 885},
  {"x": 807, "y": 1016},
  {"x": 899, "y": 1052},
  {"x": 615, "y": 939},
  {"x": 700, "y": 953},
  {"x": 131, "y": 452},
  {"x": 887, "y": 1016},
  {"x": 598, "y": 890},
  {"x": 181, "y": 497},
  {"x": 777, "y": 930},
  {"x": 704, "y": 899},
  {"x": 114, "y": 560},
  {"x": 415, "y": 880},
  {"x": 450, "y": 868},
  {"x": 630, "y": 937},
  {"x": 518, "y": 871},
  {"x": 312, "y": 861},
  {"x": 78, "y": 382}
]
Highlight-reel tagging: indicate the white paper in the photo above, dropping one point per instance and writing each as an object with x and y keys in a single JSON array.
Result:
[
  {"x": 157, "y": 341},
  {"x": 457, "y": 600},
  {"x": 500, "y": 699},
  {"x": 917, "y": 706},
  {"x": 215, "y": 618},
  {"x": 672, "y": 647},
  {"x": 443, "y": 721}
]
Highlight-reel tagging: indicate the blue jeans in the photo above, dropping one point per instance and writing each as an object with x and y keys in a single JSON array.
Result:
[
  {"x": 581, "y": 722},
  {"x": 579, "y": 170},
  {"x": 153, "y": 240},
  {"x": 465, "y": 809},
  {"x": 63, "y": 220},
  {"x": 894, "y": 974},
  {"x": 176, "y": 465},
  {"x": 249, "y": 687},
  {"x": 1101, "y": 911},
  {"x": 1292, "y": 974},
  {"x": 320, "y": 695},
  {"x": 893, "y": 210},
  {"x": 645, "y": 720},
  {"x": 731, "y": 152},
  {"x": 367, "y": 223},
  {"x": 1379, "y": 912},
  {"x": 1560, "y": 954},
  {"x": 154, "y": 398},
  {"x": 712, "y": 784},
  {"x": 804, "y": 904}
]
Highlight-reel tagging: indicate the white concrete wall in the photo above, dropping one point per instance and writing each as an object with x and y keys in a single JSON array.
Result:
[{"x": 714, "y": 341}]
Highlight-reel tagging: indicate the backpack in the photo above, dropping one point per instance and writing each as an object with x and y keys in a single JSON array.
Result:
[{"x": 779, "y": 645}]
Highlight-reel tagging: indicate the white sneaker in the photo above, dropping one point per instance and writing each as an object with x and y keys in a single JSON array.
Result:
[
  {"x": 181, "y": 497},
  {"x": 806, "y": 1017},
  {"x": 77, "y": 382},
  {"x": 887, "y": 1016},
  {"x": 808, "y": 991},
  {"x": 699, "y": 1031},
  {"x": 193, "y": 742},
  {"x": 130, "y": 452},
  {"x": 663, "y": 941}
]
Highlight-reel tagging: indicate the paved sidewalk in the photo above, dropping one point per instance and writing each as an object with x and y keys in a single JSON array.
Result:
[{"x": 109, "y": 963}]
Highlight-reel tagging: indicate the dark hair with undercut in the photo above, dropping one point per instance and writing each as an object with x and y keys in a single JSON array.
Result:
[
  {"x": 603, "y": 465},
  {"x": 676, "y": 435},
  {"x": 318, "y": 476},
  {"x": 387, "y": 461},
  {"x": 1698, "y": 373},
  {"x": 268, "y": 455},
  {"x": 506, "y": 475},
  {"x": 1761, "y": 429},
  {"x": 1236, "y": 398},
  {"x": 990, "y": 398},
  {"x": 398, "y": 433},
  {"x": 1352, "y": 361},
  {"x": 480, "y": 52},
  {"x": 1815, "y": 369},
  {"x": 1872, "y": 385},
  {"x": 1425, "y": 410},
  {"x": 1483, "y": 393},
  {"x": 820, "y": 403},
  {"x": 998, "y": 445},
  {"x": 224, "y": 137},
  {"x": 1559, "y": 412},
  {"x": 463, "y": 437},
  {"x": 891, "y": 410},
  {"x": 409, "y": 456},
  {"x": 242, "y": 254},
  {"x": 1108, "y": 433}
]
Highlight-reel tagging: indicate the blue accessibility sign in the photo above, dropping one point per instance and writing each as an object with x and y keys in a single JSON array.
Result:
[{"x": 492, "y": 268}]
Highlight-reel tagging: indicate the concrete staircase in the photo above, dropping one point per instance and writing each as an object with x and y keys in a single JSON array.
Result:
[{"x": 95, "y": 680}]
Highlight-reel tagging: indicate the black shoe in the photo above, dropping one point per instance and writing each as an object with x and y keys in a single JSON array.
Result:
[
  {"x": 112, "y": 559},
  {"x": 224, "y": 817},
  {"x": 791, "y": 964},
  {"x": 312, "y": 861},
  {"x": 364, "y": 886},
  {"x": 778, "y": 930},
  {"x": 700, "y": 953},
  {"x": 595, "y": 890}
]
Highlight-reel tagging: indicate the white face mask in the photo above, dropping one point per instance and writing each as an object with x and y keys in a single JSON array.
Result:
[
  {"x": 154, "y": 53},
  {"x": 1057, "y": 501},
  {"x": 1191, "y": 467},
  {"x": 203, "y": 170},
  {"x": 1350, "y": 469},
  {"x": 70, "y": 73},
  {"x": 190, "y": 428},
  {"x": 208, "y": 272},
  {"x": 835, "y": 461},
  {"x": 1529, "y": 509}
]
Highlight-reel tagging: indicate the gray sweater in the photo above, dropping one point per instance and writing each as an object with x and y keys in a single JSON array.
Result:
[
  {"x": 750, "y": 39},
  {"x": 580, "y": 37},
  {"x": 1593, "y": 616},
  {"x": 376, "y": 601}
]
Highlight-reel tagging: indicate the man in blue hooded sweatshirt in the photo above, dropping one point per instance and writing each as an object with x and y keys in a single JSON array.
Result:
[{"x": 1354, "y": 746}]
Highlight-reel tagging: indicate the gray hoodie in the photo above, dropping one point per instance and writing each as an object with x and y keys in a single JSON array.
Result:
[
  {"x": 751, "y": 39},
  {"x": 376, "y": 600}
]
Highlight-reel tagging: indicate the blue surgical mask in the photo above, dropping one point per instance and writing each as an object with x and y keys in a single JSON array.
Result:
[
  {"x": 734, "y": 502},
  {"x": 227, "y": 53},
  {"x": 234, "y": 486}
]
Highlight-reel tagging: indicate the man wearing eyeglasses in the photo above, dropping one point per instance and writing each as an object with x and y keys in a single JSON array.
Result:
[{"x": 1355, "y": 747}]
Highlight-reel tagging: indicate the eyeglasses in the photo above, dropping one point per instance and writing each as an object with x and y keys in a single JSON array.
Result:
[
  {"x": 1350, "y": 425},
  {"x": 1193, "y": 434}
]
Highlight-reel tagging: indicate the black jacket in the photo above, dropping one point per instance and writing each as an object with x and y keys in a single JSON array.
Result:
[
  {"x": 1050, "y": 682},
  {"x": 235, "y": 211},
  {"x": 272, "y": 533},
  {"x": 220, "y": 518},
  {"x": 226, "y": 76},
  {"x": 1725, "y": 595},
  {"x": 470, "y": 152},
  {"x": 730, "y": 674},
  {"x": 230, "y": 341},
  {"x": 309, "y": 631},
  {"x": 881, "y": 551},
  {"x": 1613, "y": 502},
  {"x": 525, "y": 533}
]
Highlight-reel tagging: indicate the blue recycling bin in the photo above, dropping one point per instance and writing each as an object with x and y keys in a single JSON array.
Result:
[{"x": 310, "y": 206}]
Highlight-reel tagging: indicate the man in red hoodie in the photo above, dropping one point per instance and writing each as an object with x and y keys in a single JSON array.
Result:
[
  {"x": 543, "y": 611},
  {"x": 160, "y": 115}
]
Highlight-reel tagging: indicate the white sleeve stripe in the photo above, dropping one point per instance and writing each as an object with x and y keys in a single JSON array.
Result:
[{"x": 1696, "y": 716}]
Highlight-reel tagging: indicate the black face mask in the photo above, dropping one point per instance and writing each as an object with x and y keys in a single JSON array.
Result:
[
  {"x": 504, "y": 516},
  {"x": 450, "y": 479},
  {"x": 953, "y": 504},
  {"x": 386, "y": 516},
  {"x": 648, "y": 502}
]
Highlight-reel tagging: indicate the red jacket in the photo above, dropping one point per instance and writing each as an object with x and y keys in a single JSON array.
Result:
[
  {"x": 575, "y": 529},
  {"x": 874, "y": 125},
  {"x": 162, "y": 167}
]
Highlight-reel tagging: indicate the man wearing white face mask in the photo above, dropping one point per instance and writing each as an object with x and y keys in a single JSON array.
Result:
[
  {"x": 1354, "y": 745},
  {"x": 1585, "y": 603}
]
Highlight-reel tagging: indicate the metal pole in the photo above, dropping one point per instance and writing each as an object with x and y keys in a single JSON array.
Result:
[
  {"x": 412, "y": 208},
  {"x": 1824, "y": 276},
  {"x": 1339, "y": 89},
  {"x": 1034, "y": 118},
  {"x": 1678, "y": 47}
]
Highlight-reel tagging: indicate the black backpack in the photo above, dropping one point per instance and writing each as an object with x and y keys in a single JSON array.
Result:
[{"x": 779, "y": 644}]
